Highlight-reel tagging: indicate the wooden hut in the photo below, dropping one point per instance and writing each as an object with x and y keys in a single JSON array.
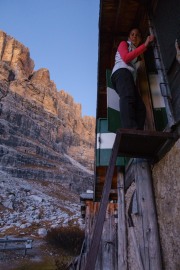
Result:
[{"x": 126, "y": 226}]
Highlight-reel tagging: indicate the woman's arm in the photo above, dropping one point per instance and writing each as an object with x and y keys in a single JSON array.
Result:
[{"x": 129, "y": 56}]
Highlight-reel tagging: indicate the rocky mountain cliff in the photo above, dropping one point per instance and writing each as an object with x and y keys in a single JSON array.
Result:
[{"x": 43, "y": 137}]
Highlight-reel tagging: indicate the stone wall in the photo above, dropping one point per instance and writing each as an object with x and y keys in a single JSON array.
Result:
[{"x": 166, "y": 175}]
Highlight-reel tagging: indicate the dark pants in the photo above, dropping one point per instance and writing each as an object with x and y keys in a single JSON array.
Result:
[{"x": 132, "y": 108}]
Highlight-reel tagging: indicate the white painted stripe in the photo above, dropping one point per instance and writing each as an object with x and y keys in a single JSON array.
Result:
[
  {"x": 105, "y": 140},
  {"x": 112, "y": 99},
  {"x": 157, "y": 98}
]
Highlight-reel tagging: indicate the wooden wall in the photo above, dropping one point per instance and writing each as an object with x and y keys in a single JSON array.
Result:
[{"x": 107, "y": 255}]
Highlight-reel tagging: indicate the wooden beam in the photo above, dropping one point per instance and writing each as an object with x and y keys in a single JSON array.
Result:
[
  {"x": 122, "y": 235},
  {"x": 129, "y": 174},
  {"x": 146, "y": 219}
]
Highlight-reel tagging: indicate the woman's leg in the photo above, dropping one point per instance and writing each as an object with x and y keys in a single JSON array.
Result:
[
  {"x": 140, "y": 112},
  {"x": 124, "y": 84}
]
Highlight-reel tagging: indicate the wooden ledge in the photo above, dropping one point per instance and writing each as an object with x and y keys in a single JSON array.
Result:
[{"x": 143, "y": 143}]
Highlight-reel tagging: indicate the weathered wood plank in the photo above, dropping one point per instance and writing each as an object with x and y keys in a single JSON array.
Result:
[
  {"x": 147, "y": 221},
  {"x": 122, "y": 235},
  {"x": 129, "y": 174},
  {"x": 136, "y": 248}
]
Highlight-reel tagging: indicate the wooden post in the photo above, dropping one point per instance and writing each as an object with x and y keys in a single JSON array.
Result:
[
  {"x": 136, "y": 248},
  {"x": 147, "y": 220},
  {"x": 122, "y": 236}
]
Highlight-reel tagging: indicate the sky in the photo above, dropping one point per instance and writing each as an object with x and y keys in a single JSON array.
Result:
[{"x": 62, "y": 36}]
